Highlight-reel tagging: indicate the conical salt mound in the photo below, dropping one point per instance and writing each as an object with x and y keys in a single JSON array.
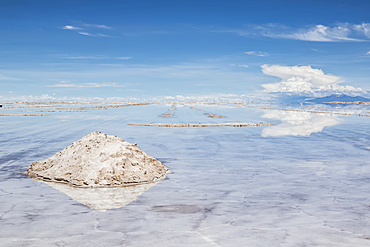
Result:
[{"x": 99, "y": 160}]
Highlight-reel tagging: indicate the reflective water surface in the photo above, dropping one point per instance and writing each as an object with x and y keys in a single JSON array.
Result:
[
  {"x": 305, "y": 181},
  {"x": 103, "y": 199}
]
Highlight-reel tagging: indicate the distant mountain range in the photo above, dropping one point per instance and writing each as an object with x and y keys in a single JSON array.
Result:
[{"x": 338, "y": 97}]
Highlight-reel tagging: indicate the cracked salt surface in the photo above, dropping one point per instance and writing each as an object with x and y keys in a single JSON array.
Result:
[{"x": 229, "y": 186}]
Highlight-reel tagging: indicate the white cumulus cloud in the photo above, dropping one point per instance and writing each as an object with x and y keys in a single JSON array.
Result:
[{"x": 303, "y": 79}]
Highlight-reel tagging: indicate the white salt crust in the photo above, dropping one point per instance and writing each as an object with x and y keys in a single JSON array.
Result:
[{"x": 99, "y": 160}]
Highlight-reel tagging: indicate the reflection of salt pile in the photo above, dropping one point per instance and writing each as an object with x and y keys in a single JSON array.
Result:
[
  {"x": 99, "y": 160},
  {"x": 103, "y": 199}
]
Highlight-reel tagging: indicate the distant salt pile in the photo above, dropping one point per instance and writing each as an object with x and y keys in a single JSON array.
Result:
[{"x": 99, "y": 160}]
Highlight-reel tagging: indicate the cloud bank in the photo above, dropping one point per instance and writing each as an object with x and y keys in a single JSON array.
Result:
[
  {"x": 303, "y": 79},
  {"x": 321, "y": 33},
  {"x": 87, "y": 85},
  {"x": 364, "y": 28},
  {"x": 343, "y": 32}
]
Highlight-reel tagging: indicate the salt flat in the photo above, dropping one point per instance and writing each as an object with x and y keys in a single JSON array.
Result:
[{"x": 304, "y": 181}]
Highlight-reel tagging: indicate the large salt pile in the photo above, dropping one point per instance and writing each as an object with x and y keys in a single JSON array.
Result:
[{"x": 99, "y": 160}]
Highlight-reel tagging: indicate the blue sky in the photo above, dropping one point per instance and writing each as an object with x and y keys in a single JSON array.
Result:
[{"x": 146, "y": 48}]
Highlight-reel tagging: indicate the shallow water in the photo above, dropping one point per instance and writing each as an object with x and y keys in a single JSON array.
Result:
[{"x": 228, "y": 186}]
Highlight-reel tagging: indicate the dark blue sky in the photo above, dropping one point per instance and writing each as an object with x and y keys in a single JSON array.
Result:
[{"x": 140, "y": 48}]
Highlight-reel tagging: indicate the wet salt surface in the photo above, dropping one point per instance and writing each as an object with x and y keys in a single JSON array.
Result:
[{"x": 229, "y": 186}]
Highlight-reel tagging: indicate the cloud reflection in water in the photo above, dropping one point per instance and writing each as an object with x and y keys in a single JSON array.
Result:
[{"x": 297, "y": 123}]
